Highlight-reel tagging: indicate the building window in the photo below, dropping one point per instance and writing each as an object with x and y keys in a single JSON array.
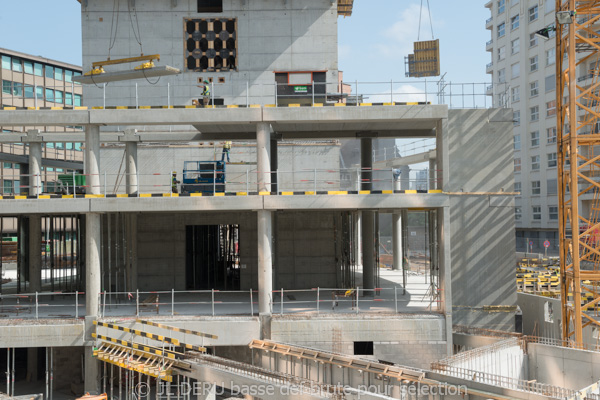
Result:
[
  {"x": 550, "y": 56},
  {"x": 551, "y": 135},
  {"x": 533, "y": 13},
  {"x": 49, "y": 72},
  {"x": 17, "y": 65},
  {"x": 501, "y": 53},
  {"x": 551, "y": 160},
  {"x": 38, "y": 69},
  {"x": 8, "y": 187},
  {"x": 535, "y": 163},
  {"x": 17, "y": 89},
  {"x": 58, "y": 74},
  {"x": 518, "y": 187},
  {"x": 7, "y": 87},
  {"x": 68, "y": 99},
  {"x": 553, "y": 213},
  {"x": 517, "y": 142},
  {"x": 210, "y": 6},
  {"x": 501, "y": 76},
  {"x": 517, "y": 118},
  {"x": 551, "y": 108},
  {"x": 551, "y": 187},
  {"x": 515, "y": 70},
  {"x": 7, "y": 165},
  {"x": 28, "y": 67},
  {"x": 77, "y": 100},
  {"x": 535, "y": 138},
  {"x": 210, "y": 44},
  {"x": 50, "y": 95},
  {"x": 518, "y": 213},
  {"x": 58, "y": 96},
  {"x": 515, "y": 94},
  {"x": 537, "y": 213},
  {"x": 501, "y": 30},
  {"x": 68, "y": 76},
  {"x": 550, "y": 83},
  {"x": 533, "y": 64},
  {"x": 533, "y": 40},
  {"x": 6, "y": 62},
  {"x": 39, "y": 92},
  {"x": 517, "y": 164},
  {"x": 501, "y": 5},
  {"x": 514, "y": 22},
  {"x": 534, "y": 89},
  {"x": 534, "y": 113},
  {"x": 536, "y": 188},
  {"x": 515, "y": 46},
  {"x": 28, "y": 91}
]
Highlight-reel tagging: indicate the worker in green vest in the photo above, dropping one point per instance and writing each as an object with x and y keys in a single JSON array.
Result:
[
  {"x": 226, "y": 150},
  {"x": 174, "y": 182},
  {"x": 205, "y": 93}
]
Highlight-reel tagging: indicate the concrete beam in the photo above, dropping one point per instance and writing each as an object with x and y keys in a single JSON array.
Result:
[
  {"x": 46, "y": 162},
  {"x": 381, "y": 202},
  {"x": 426, "y": 156}
]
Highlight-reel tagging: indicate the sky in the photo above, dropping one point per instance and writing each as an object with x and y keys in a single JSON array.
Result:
[{"x": 372, "y": 42}]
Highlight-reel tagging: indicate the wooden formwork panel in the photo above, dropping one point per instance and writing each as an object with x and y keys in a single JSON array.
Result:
[{"x": 210, "y": 45}]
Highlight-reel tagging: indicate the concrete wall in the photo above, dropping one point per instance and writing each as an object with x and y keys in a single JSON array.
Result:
[
  {"x": 273, "y": 35},
  {"x": 31, "y": 333},
  {"x": 534, "y": 322},
  {"x": 505, "y": 358},
  {"x": 297, "y": 162},
  {"x": 407, "y": 340},
  {"x": 482, "y": 226},
  {"x": 306, "y": 255},
  {"x": 561, "y": 366}
]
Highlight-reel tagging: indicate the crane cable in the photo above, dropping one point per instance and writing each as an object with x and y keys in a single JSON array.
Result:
[{"x": 430, "y": 20}]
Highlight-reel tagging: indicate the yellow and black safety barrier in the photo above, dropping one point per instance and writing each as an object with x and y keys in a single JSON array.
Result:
[
  {"x": 227, "y": 194},
  {"x": 142, "y": 347},
  {"x": 177, "y": 329},
  {"x": 317, "y": 105},
  {"x": 152, "y": 336}
]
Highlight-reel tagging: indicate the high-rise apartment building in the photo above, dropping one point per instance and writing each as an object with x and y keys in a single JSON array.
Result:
[
  {"x": 523, "y": 71},
  {"x": 28, "y": 82}
]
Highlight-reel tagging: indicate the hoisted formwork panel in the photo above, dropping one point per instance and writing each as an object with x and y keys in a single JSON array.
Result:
[{"x": 425, "y": 61}]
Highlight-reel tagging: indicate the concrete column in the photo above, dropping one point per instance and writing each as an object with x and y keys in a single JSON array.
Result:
[
  {"x": 397, "y": 234},
  {"x": 358, "y": 235},
  {"x": 35, "y": 253},
  {"x": 405, "y": 177},
  {"x": 445, "y": 265},
  {"x": 442, "y": 150},
  {"x": 32, "y": 364},
  {"x": 35, "y": 168},
  {"x": 131, "y": 167},
  {"x": 274, "y": 166},
  {"x": 368, "y": 217},
  {"x": 263, "y": 157},
  {"x": 133, "y": 249},
  {"x": 92, "y": 289},
  {"x": 432, "y": 180},
  {"x": 92, "y": 158},
  {"x": 265, "y": 271}
]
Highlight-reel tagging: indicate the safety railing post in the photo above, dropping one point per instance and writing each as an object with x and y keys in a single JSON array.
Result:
[
  {"x": 396, "y": 299},
  {"x": 318, "y": 299},
  {"x": 215, "y": 180},
  {"x": 137, "y": 104},
  {"x": 212, "y": 301},
  {"x": 105, "y": 183},
  {"x": 247, "y": 180},
  {"x": 357, "y": 296},
  {"x": 391, "y": 91},
  {"x": 357, "y": 92},
  {"x": 104, "y": 305},
  {"x": 104, "y": 96},
  {"x": 35, "y": 96},
  {"x": 281, "y": 301},
  {"x": 247, "y": 95},
  {"x": 276, "y": 94},
  {"x": 251, "y": 303},
  {"x": 76, "y": 304},
  {"x": 172, "y": 302},
  {"x": 315, "y": 180},
  {"x": 36, "y": 305},
  {"x": 137, "y": 303},
  {"x": 168, "y": 94},
  {"x": 312, "y": 86},
  {"x": 74, "y": 186},
  {"x": 139, "y": 185}
]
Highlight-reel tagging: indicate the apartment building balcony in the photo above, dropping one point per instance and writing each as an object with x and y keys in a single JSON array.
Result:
[
  {"x": 489, "y": 4},
  {"x": 488, "y": 23},
  {"x": 488, "y": 67},
  {"x": 489, "y": 46}
]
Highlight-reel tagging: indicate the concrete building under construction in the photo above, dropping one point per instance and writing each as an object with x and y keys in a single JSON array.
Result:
[{"x": 274, "y": 270}]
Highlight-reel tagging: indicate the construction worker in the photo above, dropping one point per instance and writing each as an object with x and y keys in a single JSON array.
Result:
[
  {"x": 205, "y": 93},
  {"x": 226, "y": 150},
  {"x": 174, "y": 182}
]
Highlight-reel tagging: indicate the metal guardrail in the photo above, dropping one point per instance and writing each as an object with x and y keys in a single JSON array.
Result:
[
  {"x": 44, "y": 305},
  {"x": 241, "y": 181},
  {"x": 351, "y": 93}
]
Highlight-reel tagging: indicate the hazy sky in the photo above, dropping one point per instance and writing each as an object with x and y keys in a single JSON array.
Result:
[{"x": 372, "y": 43}]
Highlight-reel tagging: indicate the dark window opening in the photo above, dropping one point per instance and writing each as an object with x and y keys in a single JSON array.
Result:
[
  {"x": 363, "y": 348},
  {"x": 210, "y": 6},
  {"x": 212, "y": 257}
]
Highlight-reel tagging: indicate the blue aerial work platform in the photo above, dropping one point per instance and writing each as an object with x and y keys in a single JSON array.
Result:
[{"x": 206, "y": 177}]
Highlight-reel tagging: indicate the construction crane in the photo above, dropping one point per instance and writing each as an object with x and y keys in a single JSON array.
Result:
[{"x": 578, "y": 154}]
